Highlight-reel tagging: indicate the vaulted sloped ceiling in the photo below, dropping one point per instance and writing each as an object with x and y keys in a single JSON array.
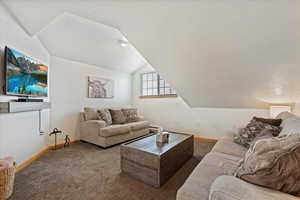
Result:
[
  {"x": 216, "y": 53},
  {"x": 76, "y": 38}
]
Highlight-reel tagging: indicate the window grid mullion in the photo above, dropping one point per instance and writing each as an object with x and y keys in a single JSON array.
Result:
[{"x": 158, "y": 84}]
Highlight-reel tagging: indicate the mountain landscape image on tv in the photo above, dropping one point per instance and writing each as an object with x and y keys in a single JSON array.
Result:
[{"x": 24, "y": 75}]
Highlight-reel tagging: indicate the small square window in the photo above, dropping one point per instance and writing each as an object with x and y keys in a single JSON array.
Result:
[
  {"x": 145, "y": 84},
  {"x": 168, "y": 91},
  {"x": 150, "y": 77},
  {"x": 145, "y": 92},
  {"x": 154, "y": 85}
]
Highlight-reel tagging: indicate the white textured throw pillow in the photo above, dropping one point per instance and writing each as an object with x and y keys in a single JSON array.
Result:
[
  {"x": 285, "y": 115},
  {"x": 290, "y": 126}
]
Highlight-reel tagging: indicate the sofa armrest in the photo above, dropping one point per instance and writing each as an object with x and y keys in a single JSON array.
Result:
[
  {"x": 232, "y": 188},
  {"x": 141, "y": 118},
  {"x": 97, "y": 123},
  {"x": 89, "y": 130}
]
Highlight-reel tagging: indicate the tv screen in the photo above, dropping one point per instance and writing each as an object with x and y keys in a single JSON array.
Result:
[{"x": 25, "y": 76}]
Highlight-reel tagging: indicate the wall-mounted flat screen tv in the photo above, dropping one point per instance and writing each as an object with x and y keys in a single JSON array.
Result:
[{"x": 25, "y": 76}]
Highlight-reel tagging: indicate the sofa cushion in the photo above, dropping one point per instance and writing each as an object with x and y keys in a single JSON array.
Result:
[
  {"x": 232, "y": 188},
  {"x": 227, "y": 146},
  {"x": 290, "y": 126},
  {"x": 117, "y": 116},
  {"x": 114, "y": 130},
  {"x": 130, "y": 114},
  {"x": 198, "y": 184},
  {"x": 286, "y": 115},
  {"x": 90, "y": 114},
  {"x": 135, "y": 126},
  {"x": 105, "y": 116},
  {"x": 273, "y": 163},
  {"x": 89, "y": 109}
]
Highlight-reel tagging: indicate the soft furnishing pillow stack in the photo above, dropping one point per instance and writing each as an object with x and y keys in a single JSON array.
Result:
[{"x": 273, "y": 163}]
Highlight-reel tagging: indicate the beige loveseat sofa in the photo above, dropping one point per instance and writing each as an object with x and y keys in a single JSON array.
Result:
[
  {"x": 212, "y": 179},
  {"x": 99, "y": 133}
]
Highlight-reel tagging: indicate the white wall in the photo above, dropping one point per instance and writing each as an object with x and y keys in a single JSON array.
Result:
[
  {"x": 19, "y": 132},
  {"x": 216, "y": 122},
  {"x": 69, "y": 92},
  {"x": 174, "y": 114}
]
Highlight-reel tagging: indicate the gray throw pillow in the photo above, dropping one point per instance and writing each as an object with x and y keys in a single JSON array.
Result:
[
  {"x": 273, "y": 163},
  {"x": 104, "y": 114},
  {"x": 117, "y": 116},
  {"x": 255, "y": 128}
]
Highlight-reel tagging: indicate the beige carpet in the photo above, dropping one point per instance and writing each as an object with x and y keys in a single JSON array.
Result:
[{"x": 87, "y": 172}]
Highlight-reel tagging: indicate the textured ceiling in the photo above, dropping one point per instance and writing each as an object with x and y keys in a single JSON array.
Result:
[{"x": 216, "y": 53}]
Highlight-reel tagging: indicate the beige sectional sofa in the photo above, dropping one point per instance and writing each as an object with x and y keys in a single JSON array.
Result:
[
  {"x": 212, "y": 179},
  {"x": 98, "y": 132}
]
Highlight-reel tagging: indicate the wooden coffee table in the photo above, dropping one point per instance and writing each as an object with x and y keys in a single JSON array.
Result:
[{"x": 154, "y": 163}]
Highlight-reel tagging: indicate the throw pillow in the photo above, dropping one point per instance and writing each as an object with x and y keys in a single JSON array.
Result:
[
  {"x": 273, "y": 163},
  {"x": 104, "y": 114},
  {"x": 290, "y": 126},
  {"x": 117, "y": 116},
  {"x": 246, "y": 135},
  {"x": 131, "y": 114},
  {"x": 273, "y": 122},
  {"x": 264, "y": 134},
  {"x": 285, "y": 115}
]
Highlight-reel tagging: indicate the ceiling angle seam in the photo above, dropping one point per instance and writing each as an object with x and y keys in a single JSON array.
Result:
[{"x": 10, "y": 13}]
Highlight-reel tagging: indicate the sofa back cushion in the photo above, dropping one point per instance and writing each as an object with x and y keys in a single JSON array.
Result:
[
  {"x": 273, "y": 163},
  {"x": 90, "y": 114},
  {"x": 105, "y": 115},
  {"x": 117, "y": 116},
  {"x": 131, "y": 114},
  {"x": 290, "y": 126},
  {"x": 286, "y": 115}
]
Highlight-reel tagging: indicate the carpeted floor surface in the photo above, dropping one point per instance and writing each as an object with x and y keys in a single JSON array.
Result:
[{"x": 87, "y": 172}]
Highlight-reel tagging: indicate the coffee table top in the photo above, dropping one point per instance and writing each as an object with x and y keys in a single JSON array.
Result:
[{"x": 149, "y": 144}]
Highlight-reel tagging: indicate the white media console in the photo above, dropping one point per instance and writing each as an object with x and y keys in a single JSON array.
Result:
[{"x": 14, "y": 107}]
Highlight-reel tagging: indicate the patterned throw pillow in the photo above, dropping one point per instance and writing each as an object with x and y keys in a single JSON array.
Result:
[
  {"x": 104, "y": 114},
  {"x": 131, "y": 114},
  {"x": 254, "y": 129},
  {"x": 273, "y": 163},
  {"x": 117, "y": 116}
]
